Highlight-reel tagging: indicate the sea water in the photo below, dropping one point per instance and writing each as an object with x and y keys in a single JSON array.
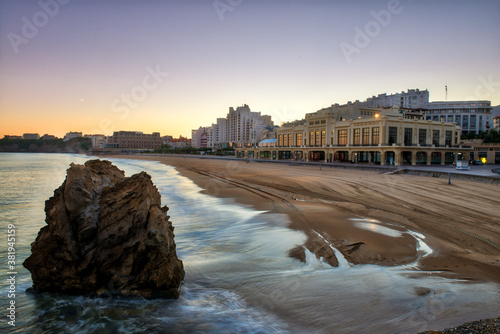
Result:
[{"x": 239, "y": 277}]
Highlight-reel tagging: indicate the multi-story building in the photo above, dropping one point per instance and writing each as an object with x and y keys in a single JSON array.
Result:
[
  {"x": 220, "y": 133},
  {"x": 134, "y": 140},
  {"x": 245, "y": 127},
  {"x": 199, "y": 137},
  {"x": 412, "y": 98},
  {"x": 31, "y": 136},
  {"x": 241, "y": 127},
  {"x": 97, "y": 141},
  {"x": 71, "y": 135},
  {"x": 352, "y": 133},
  {"x": 179, "y": 142},
  {"x": 471, "y": 116},
  {"x": 12, "y": 137}
]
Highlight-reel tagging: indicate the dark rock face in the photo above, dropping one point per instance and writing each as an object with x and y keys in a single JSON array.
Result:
[{"x": 107, "y": 235}]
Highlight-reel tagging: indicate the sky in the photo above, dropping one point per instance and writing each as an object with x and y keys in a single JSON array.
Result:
[{"x": 99, "y": 66}]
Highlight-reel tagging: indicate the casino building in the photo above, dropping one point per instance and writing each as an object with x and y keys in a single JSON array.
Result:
[{"x": 357, "y": 134}]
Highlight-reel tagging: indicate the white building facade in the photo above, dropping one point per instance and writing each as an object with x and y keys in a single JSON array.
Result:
[
  {"x": 241, "y": 128},
  {"x": 200, "y": 136},
  {"x": 98, "y": 141},
  {"x": 412, "y": 98},
  {"x": 245, "y": 127}
]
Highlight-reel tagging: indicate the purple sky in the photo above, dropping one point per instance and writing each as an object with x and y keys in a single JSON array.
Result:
[{"x": 172, "y": 66}]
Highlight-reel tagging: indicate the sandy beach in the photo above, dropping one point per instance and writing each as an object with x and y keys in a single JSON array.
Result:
[{"x": 371, "y": 217}]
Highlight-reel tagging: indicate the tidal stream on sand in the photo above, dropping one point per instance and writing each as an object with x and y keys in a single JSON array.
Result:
[{"x": 239, "y": 277}]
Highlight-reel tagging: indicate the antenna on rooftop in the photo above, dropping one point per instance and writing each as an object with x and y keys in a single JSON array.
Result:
[{"x": 446, "y": 91}]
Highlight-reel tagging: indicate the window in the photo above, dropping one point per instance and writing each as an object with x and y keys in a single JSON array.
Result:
[
  {"x": 311, "y": 138},
  {"x": 465, "y": 122},
  {"x": 393, "y": 134},
  {"x": 422, "y": 137},
  {"x": 435, "y": 137},
  {"x": 458, "y": 120},
  {"x": 342, "y": 137},
  {"x": 298, "y": 139},
  {"x": 356, "y": 137},
  {"x": 317, "y": 138},
  {"x": 285, "y": 140},
  {"x": 323, "y": 138},
  {"x": 472, "y": 121},
  {"x": 408, "y": 136},
  {"x": 280, "y": 140},
  {"x": 448, "y": 136},
  {"x": 375, "y": 135},
  {"x": 366, "y": 136}
]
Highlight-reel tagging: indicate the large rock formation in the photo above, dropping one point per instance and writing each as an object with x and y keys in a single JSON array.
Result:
[{"x": 107, "y": 235}]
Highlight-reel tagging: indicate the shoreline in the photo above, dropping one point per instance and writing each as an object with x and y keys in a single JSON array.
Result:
[{"x": 370, "y": 217}]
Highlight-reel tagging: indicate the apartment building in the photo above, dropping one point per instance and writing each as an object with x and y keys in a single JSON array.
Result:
[
  {"x": 71, "y": 135},
  {"x": 412, "y": 98},
  {"x": 31, "y": 136},
  {"x": 240, "y": 128},
  {"x": 471, "y": 116},
  {"x": 97, "y": 141},
  {"x": 245, "y": 127},
  {"x": 200, "y": 137},
  {"x": 134, "y": 140}
]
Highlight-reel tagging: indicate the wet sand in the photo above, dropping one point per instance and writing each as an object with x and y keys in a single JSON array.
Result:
[{"x": 353, "y": 211}]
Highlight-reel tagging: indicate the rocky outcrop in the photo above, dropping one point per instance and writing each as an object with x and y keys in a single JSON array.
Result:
[{"x": 106, "y": 235}]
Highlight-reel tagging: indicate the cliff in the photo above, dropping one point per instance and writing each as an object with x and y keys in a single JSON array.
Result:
[{"x": 106, "y": 235}]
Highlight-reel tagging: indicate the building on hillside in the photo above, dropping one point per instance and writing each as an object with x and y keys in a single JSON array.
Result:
[
  {"x": 180, "y": 142},
  {"x": 71, "y": 135},
  {"x": 134, "y": 140},
  {"x": 12, "y": 137},
  {"x": 47, "y": 136},
  {"x": 199, "y": 137},
  {"x": 31, "y": 136},
  {"x": 97, "y": 141},
  {"x": 412, "y": 98},
  {"x": 352, "y": 133},
  {"x": 471, "y": 116},
  {"x": 165, "y": 140}
]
